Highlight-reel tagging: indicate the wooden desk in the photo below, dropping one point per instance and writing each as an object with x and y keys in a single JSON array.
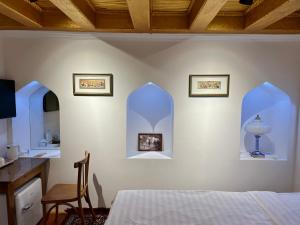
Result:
[{"x": 16, "y": 175}]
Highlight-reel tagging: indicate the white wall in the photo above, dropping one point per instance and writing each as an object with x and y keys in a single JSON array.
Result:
[
  {"x": 36, "y": 115},
  {"x": 297, "y": 160},
  {"x": 3, "y": 122},
  {"x": 21, "y": 123},
  {"x": 206, "y": 130}
]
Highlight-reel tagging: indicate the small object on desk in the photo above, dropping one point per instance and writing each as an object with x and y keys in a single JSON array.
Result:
[
  {"x": 2, "y": 161},
  {"x": 257, "y": 154},
  {"x": 43, "y": 143},
  {"x": 6, "y": 162},
  {"x": 12, "y": 152},
  {"x": 257, "y": 127},
  {"x": 48, "y": 136},
  {"x": 40, "y": 155}
]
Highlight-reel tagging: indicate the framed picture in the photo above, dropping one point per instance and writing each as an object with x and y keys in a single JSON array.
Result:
[
  {"x": 209, "y": 85},
  {"x": 92, "y": 84},
  {"x": 150, "y": 142}
]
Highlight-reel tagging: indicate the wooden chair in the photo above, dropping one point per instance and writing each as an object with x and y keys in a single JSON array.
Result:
[{"x": 65, "y": 194}]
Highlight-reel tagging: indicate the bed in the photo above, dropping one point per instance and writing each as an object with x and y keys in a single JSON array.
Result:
[{"x": 170, "y": 207}]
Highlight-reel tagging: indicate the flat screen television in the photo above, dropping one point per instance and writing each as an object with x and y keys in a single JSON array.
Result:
[{"x": 7, "y": 99}]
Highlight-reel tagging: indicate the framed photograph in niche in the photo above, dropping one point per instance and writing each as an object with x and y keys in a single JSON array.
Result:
[
  {"x": 209, "y": 85},
  {"x": 92, "y": 84},
  {"x": 150, "y": 142}
]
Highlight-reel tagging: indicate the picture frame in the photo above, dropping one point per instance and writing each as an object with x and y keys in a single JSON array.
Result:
[
  {"x": 88, "y": 84},
  {"x": 150, "y": 142},
  {"x": 216, "y": 85}
]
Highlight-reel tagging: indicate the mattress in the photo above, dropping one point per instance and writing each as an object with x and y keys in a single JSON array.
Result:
[{"x": 170, "y": 207}]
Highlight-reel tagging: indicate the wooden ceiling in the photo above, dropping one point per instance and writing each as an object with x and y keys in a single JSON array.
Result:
[{"x": 152, "y": 16}]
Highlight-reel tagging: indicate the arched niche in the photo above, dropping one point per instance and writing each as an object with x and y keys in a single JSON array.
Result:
[
  {"x": 149, "y": 110},
  {"x": 36, "y": 128},
  {"x": 275, "y": 108}
]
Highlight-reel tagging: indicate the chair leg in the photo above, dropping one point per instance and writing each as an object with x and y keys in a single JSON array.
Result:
[
  {"x": 88, "y": 200},
  {"x": 56, "y": 213},
  {"x": 46, "y": 215},
  {"x": 81, "y": 212},
  {"x": 44, "y": 211}
]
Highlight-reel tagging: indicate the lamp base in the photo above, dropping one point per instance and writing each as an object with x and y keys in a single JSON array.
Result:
[{"x": 257, "y": 154}]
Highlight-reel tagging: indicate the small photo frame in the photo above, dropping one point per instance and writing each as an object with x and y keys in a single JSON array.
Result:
[
  {"x": 92, "y": 84},
  {"x": 150, "y": 142},
  {"x": 209, "y": 85}
]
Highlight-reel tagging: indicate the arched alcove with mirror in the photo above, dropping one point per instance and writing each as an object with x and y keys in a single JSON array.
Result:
[
  {"x": 36, "y": 128},
  {"x": 149, "y": 123},
  {"x": 266, "y": 124}
]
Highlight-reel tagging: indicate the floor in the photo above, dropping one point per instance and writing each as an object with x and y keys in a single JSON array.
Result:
[{"x": 51, "y": 220}]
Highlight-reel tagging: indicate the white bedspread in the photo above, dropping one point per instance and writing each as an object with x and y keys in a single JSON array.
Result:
[{"x": 154, "y": 207}]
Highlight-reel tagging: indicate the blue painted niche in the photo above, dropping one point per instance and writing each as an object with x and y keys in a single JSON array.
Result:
[
  {"x": 149, "y": 110},
  {"x": 274, "y": 107}
]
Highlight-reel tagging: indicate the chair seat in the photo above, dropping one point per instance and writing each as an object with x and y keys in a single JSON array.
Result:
[{"x": 61, "y": 193}]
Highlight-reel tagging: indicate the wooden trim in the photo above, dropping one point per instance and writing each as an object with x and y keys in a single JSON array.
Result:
[
  {"x": 269, "y": 12},
  {"x": 203, "y": 12},
  {"x": 80, "y": 12},
  {"x": 121, "y": 23},
  {"x": 140, "y": 14},
  {"x": 21, "y": 12}
]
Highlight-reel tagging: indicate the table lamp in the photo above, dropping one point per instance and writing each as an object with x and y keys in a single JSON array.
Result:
[{"x": 257, "y": 127}]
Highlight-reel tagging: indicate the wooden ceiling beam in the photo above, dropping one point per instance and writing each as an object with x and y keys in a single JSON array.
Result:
[
  {"x": 203, "y": 12},
  {"x": 22, "y": 12},
  {"x": 79, "y": 11},
  {"x": 6, "y": 22},
  {"x": 140, "y": 14},
  {"x": 161, "y": 23},
  {"x": 269, "y": 12}
]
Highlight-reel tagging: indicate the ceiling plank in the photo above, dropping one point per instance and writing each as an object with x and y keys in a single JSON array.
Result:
[
  {"x": 171, "y": 23},
  {"x": 6, "y": 22},
  {"x": 288, "y": 24},
  {"x": 140, "y": 14},
  {"x": 269, "y": 12},
  {"x": 79, "y": 11},
  {"x": 21, "y": 12},
  {"x": 117, "y": 21},
  {"x": 203, "y": 12},
  {"x": 226, "y": 24}
]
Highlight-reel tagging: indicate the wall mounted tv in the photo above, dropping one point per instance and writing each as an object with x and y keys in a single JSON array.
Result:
[{"x": 7, "y": 99}]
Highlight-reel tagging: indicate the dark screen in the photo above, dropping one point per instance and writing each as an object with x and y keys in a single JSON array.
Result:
[{"x": 7, "y": 99}]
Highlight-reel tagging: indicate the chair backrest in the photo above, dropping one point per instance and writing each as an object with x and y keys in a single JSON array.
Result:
[{"x": 83, "y": 174}]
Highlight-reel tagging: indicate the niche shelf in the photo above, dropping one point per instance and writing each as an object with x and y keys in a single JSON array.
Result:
[
  {"x": 149, "y": 110},
  {"x": 37, "y": 114},
  {"x": 275, "y": 108}
]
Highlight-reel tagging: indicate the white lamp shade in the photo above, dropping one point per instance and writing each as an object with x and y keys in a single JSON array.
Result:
[{"x": 257, "y": 127}]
